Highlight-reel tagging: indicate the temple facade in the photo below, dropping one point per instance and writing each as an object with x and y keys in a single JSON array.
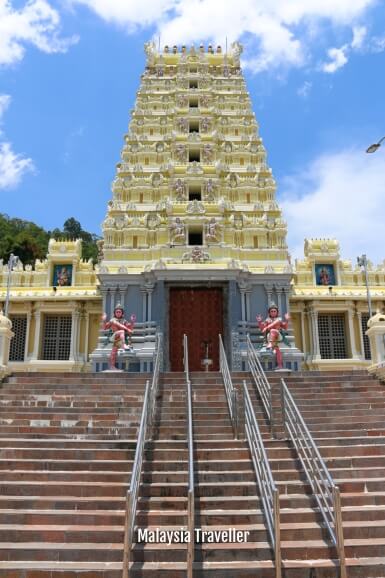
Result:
[{"x": 194, "y": 242}]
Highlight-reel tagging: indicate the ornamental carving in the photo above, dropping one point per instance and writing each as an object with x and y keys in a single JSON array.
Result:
[
  {"x": 195, "y": 207},
  {"x": 196, "y": 255}
]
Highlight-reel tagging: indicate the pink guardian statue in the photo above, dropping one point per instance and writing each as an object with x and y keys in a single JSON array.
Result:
[
  {"x": 274, "y": 330},
  {"x": 119, "y": 327}
]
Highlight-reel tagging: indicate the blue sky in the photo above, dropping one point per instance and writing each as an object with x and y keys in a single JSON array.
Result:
[{"x": 69, "y": 71}]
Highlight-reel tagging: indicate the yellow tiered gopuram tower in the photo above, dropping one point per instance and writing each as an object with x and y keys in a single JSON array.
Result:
[{"x": 193, "y": 240}]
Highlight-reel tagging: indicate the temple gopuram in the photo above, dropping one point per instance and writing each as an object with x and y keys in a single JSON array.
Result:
[{"x": 194, "y": 241}]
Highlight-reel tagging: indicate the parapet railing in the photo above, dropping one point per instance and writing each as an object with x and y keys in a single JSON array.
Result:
[
  {"x": 259, "y": 376},
  {"x": 191, "y": 493},
  {"x": 231, "y": 392},
  {"x": 267, "y": 488},
  {"x": 324, "y": 489},
  {"x": 146, "y": 423}
]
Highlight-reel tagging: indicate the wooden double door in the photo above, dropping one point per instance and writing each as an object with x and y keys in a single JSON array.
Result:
[{"x": 198, "y": 313}]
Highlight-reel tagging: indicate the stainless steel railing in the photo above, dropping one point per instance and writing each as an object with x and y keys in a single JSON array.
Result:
[
  {"x": 231, "y": 392},
  {"x": 259, "y": 376},
  {"x": 146, "y": 423},
  {"x": 191, "y": 493},
  {"x": 326, "y": 493},
  {"x": 267, "y": 488}
]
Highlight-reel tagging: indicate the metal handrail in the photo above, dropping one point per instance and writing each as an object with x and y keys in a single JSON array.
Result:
[
  {"x": 132, "y": 493},
  {"x": 267, "y": 488},
  {"x": 155, "y": 377},
  {"x": 191, "y": 492},
  {"x": 146, "y": 423},
  {"x": 231, "y": 392},
  {"x": 259, "y": 376},
  {"x": 326, "y": 493}
]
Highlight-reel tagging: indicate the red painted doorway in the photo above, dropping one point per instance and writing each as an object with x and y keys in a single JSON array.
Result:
[{"x": 198, "y": 313}]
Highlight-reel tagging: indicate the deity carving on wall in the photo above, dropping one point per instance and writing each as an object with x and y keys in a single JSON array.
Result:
[
  {"x": 183, "y": 124},
  {"x": 177, "y": 231},
  {"x": 180, "y": 190},
  {"x": 207, "y": 153},
  {"x": 205, "y": 124},
  {"x": 212, "y": 231},
  {"x": 180, "y": 153},
  {"x": 209, "y": 191}
]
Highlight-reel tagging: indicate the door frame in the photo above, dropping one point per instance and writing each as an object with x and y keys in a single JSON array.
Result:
[{"x": 196, "y": 285}]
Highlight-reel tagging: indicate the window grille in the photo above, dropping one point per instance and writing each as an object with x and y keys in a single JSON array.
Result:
[
  {"x": 19, "y": 328},
  {"x": 56, "y": 337},
  {"x": 332, "y": 337},
  {"x": 364, "y": 327}
]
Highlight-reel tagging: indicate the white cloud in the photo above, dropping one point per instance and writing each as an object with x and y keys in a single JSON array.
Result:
[
  {"x": 305, "y": 89},
  {"x": 278, "y": 32},
  {"x": 340, "y": 196},
  {"x": 12, "y": 166},
  {"x": 37, "y": 23},
  {"x": 338, "y": 59},
  {"x": 359, "y": 34},
  {"x": 5, "y": 101}
]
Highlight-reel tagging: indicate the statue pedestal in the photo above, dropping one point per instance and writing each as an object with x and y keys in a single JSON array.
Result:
[
  {"x": 6, "y": 335},
  {"x": 376, "y": 334}
]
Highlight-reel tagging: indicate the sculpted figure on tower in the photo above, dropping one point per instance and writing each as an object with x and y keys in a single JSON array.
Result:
[
  {"x": 120, "y": 332},
  {"x": 274, "y": 331}
]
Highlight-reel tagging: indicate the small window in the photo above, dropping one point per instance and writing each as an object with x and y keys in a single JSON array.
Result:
[
  {"x": 247, "y": 197},
  {"x": 194, "y": 126},
  {"x": 134, "y": 242},
  {"x": 19, "y": 328},
  {"x": 236, "y": 132},
  {"x": 146, "y": 160},
  {"x": 194, "y": 155},
  {"x": 195, "y": 193},
  {"x": 141, "y": 198},
  {"x": 56, "y": 343},
  {"x": 193, "y": 84},
  {"x": 193, "y": 70},
  {"x": 151, "y": 131},
  {"x": 255, "y": 242},
  {"x": 241, "y": 161},
  {"x": 193, "y": 103},
  {"x": 195, "y": 237}
]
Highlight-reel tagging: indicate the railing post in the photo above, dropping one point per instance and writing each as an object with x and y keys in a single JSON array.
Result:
[
  {"x": 277, "y": 526},
  {"x": 234, "y": 401},
  {"x": 126, "y": 549},
  {"x": 339, "y": 530}
]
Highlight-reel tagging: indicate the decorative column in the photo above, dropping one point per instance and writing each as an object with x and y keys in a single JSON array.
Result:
[
  {"x": 303, "y": 329},
  {"x": 269, "y": 292},
  {"x": 278, "y": 290},
  {"x": 314, "y": 329},
  {"x": 37, "y": 337},
  {"x": 86, "y": 334},
  {"x": 352, "y": 334},
  {"x": 242, "y": 291},
  {"x": 247, "y": 303},
  {"x": 359, "y": 321},
  {"x": 74, "y": 348},
  {"x": 286, "y": 291},
  {"x": 27, "y": 331},
  {"x": 6, "y": 335}
]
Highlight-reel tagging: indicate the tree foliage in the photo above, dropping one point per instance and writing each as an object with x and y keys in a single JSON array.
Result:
[{"x": 30, "y": 242}]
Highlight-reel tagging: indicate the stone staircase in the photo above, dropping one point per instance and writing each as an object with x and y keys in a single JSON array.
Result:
[
  {"x": 345, "y": 413},
  {"x": 67, "y": 450}
]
